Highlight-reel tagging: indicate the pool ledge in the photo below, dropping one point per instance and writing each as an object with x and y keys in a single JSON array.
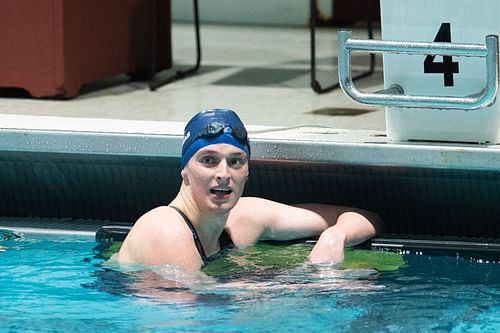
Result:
[{"x": 304, "y": 143}]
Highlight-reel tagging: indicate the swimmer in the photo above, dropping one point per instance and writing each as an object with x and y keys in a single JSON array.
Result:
[{"x": 209, "y": 213}]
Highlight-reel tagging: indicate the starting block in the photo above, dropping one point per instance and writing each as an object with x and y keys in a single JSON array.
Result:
[{"x": 441, "y": 69}]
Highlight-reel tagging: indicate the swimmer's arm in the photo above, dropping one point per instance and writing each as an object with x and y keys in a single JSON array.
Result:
[
  {"x": 285, "y": 222},
  {"x": 356, "y": 224},
  {"x": 347, "y": 226},
  {"x": 254, "y": 219},
  {"x": 337, "y": 226},
  {"x": 271, "y": 220},
  {"x": 351, "y": 228}
]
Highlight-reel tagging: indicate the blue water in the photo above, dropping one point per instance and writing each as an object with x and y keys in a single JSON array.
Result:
[{"x": 56, "y": 284}]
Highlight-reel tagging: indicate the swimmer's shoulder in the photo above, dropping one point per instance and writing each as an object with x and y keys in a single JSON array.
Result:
[
  {"x": 156, "y": 238},
  {"x": 161, "y": 221}
]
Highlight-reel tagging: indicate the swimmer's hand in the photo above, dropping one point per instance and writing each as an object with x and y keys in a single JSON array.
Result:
[
  {"x": 2, "y": 248},
  {"x": 330, "y": 247}
]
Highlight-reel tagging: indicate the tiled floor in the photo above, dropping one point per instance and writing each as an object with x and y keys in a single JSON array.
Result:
[{"x": 263, "y": 73}]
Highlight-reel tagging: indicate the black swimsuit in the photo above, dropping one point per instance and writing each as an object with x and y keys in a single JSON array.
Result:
[{"x": 225, "y": 241}]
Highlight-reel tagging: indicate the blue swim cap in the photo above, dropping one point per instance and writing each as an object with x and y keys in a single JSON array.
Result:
[{"x": 210, "y": 127}]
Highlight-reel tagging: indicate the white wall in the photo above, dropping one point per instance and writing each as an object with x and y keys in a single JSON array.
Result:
[{"x": 266, "y": 12}]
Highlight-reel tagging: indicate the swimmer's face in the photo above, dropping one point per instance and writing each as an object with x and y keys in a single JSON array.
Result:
[{"x": 216, "y": 176}]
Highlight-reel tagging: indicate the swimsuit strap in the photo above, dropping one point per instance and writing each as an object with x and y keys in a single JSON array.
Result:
[
  {"x": 196, "y": 238},
  {"x": 225, "y": 240}
]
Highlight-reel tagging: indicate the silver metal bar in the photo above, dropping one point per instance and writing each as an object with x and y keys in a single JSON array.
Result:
[
  {"x": 437, "y": 48},
  {"x": 482, "y": 99},
  {"x": 395, "y": 89}
]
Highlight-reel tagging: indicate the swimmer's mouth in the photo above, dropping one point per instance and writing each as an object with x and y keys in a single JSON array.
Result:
[{"x": 221, "y": 191}]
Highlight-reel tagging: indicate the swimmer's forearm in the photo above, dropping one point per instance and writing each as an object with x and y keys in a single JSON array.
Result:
[
  {"x": 329, "y": 248},
  {"x": 351, "y": 229}
]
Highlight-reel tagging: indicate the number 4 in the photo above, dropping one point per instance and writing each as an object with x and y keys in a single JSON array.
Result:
[{"x": 448, "y": 67}]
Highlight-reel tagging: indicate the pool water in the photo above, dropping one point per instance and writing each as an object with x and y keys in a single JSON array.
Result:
[{"x": 56, "y": 283}]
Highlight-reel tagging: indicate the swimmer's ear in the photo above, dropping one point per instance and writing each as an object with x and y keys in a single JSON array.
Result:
[{"x": 184, "y": 178}]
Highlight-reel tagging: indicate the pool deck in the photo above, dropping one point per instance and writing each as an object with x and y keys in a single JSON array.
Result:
[
  {"x": 260, "y": 72},
  {"x": 265, "y": 78}
]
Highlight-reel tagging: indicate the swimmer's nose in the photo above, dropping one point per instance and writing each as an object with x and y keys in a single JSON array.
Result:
[{"x": 222, "y": 173}]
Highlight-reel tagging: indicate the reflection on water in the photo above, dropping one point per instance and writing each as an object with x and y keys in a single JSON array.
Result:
[
  {"x": 426, "y": 293},
  {"x": 7, "y": 236},
  {"x": 261, "y": 271},
  {"x": 171, "y": 284},
  {"x": 56, "y": 284}
]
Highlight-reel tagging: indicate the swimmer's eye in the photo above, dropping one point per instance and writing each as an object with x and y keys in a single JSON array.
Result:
[
  {"x": 208, "y": 160},
  {"x": 236, "y": 162}
]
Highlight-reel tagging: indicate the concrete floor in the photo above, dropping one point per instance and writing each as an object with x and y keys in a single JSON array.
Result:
[{"x": 263, "y": 73}]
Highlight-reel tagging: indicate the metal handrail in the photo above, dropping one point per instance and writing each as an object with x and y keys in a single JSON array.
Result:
[{"x": 395, "y": 95}]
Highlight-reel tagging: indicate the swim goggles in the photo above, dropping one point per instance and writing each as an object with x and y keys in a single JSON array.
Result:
[{"x": 215, "y": 129}]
